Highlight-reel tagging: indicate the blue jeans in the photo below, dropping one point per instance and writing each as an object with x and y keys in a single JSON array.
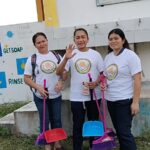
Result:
[
  {"x": 53, "y": 112},
  {"x": 121, "y": 116},
  {"x": 79, "y": 112}
]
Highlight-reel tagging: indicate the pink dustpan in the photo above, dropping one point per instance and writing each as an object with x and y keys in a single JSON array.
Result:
[{"x": 52, "y": 135}]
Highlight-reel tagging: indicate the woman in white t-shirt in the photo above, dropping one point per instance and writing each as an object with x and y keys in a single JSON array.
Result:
[
  {"x": 45, "y": 68},
  {"x": 122, "y": 68},
  {"x": 81, "y": 61}
]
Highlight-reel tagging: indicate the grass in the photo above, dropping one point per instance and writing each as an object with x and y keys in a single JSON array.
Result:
[
  {"x": 12, "y": 142},
  {"x": 27, "y": 143},
  {"x": 7, "y": 108},
  {"x": 17, "y": 143}
]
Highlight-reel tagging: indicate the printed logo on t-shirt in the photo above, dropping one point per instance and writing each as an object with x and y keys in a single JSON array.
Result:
[
  {"x": 48, "y": 66},
  {"x": 112, "y": 71},
  {"x": 83, "y": 66}
]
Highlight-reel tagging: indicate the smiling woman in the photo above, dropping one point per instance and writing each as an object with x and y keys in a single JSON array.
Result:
[{"x": 18, "y": 11}]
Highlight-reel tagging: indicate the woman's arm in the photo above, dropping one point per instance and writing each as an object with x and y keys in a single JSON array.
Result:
[
  {"x": 68, "y": 55},
  {"x": 136, "y": 93},
  {"x": 61, "y": 67},
  {"x": 32, "y": 84}
]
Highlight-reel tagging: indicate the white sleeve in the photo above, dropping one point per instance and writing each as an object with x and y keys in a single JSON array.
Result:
[{"x": 134, "y": 63}]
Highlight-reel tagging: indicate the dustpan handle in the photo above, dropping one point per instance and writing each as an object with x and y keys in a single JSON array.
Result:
[
  {"x": 92, "y": 92},
  {"x": 98, "y": 107},
  {"x": 44, "y": 107},
  {"x": 103, "y": 81}
]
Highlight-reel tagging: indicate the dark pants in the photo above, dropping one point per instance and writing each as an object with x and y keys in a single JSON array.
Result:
[
  {"x": 120, "y": 113},
  {"x": 53, "y": 112},
  {"x": 78, "y": 112}
]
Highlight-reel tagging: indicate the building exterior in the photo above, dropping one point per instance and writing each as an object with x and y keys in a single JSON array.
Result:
[
  {"x": 98, "y": 17},
  {"x": 133, "y": 16}
]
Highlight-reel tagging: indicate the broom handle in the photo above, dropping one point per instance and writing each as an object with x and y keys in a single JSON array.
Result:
[
  {"x": 102, "y": 79},
  {"x": 44, "y": 107},
  {"x": 98, "y": 107}
]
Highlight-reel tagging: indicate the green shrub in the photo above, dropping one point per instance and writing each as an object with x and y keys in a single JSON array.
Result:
[{"x": 5, "y": 131}]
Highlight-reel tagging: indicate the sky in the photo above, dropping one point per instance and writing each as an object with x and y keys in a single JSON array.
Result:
[{"x": 17, "y": 11}]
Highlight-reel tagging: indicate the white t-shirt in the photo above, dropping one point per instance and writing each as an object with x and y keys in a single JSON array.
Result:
[
  {"x": 120, "y": 71},
  {"x": 46, "y": 65},
  {"x": 80, "y": 65}
]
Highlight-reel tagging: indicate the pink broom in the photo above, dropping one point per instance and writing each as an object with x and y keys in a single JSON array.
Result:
[
  {"x": 52, "y": 135},
  {"x": 107, "y": 141},
  {"x": 41, "y": 137}
]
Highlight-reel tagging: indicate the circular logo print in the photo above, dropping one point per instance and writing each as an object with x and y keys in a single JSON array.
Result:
[
  {"x": 48, "y": 66},
  {"x": 83, "y": 66},
  {"x": 112, "y": 71}
]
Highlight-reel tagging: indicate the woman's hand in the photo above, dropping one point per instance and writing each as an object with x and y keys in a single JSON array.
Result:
[
  {"x": 134, "y": 108},
  {"x": 103, "y": 82},
  {"x": 91, "y": 85},
  {"x": 69, "y": 52},
  {"x": 59, "y": 86},
  {"x": 103, "y": 86},
  {"x": 42, "y": 91}
]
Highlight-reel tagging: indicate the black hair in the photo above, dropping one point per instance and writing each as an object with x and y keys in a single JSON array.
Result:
[
  {"x": 122, "y": 35},
  {"x": 80, "y": 29},
  {"x": 36, "y": 35}
]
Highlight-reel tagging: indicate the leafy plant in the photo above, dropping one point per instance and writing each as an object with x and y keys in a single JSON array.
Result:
[{"x": 5, "y": 132}]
